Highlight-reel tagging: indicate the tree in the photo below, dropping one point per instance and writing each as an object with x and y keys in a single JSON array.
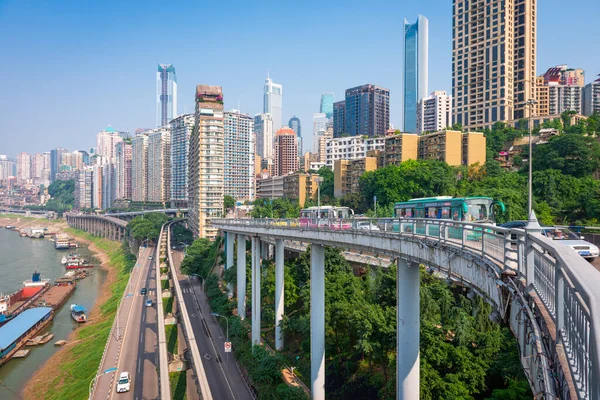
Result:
[
  {"x": 147, "y": 226},
  {"x": 326, "y": 187},
  {"x": 571, "y": 154},
  {"x": 228, "y": 203}
]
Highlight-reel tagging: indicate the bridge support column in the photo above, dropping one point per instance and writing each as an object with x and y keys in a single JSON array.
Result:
[
  {"x": 241, "y": 275},
  {"x": 279, "y": 295},
  {"x": 264, "y": 251},
  {"x": 255, "y": 290},
  {"x": 408, "y": 325},
  {"x": 230, "y": 239},
  {"x": 317, "y": 321}
]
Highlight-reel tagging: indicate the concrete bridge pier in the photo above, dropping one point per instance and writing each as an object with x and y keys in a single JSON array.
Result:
[
  {"x": 230, "y": 240},
  {"x": 279, "y": 295},
  {"x": 317, "y": 321},
  {"x": 256, "y": 290},
  {"x": 241, "y": 275},
  {"x": 408, "y": 325}
]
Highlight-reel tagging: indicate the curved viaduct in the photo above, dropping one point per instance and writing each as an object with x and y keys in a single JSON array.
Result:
[{"x": 548, "y": 294}]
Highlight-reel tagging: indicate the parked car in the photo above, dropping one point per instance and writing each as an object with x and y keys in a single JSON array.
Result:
[
  {"x": 570, "y": 239},
  {"x": 143, "y": 291},
  {"x": 366, "y": 226},
  {"x": 124, "y": 382},
  {"x": 149, "y": 303}
]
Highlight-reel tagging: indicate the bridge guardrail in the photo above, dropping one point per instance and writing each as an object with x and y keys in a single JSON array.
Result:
[{"x": 567, "y": 284}]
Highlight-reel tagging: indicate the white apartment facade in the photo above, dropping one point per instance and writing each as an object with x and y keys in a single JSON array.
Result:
[
  {"x": 159, "y": 165},
  {"x": 351, "y": 148},
  {"x": 139, "y": 167},
  {"x": 238, "y": 155},
  {"x": 434, "y": 113}
]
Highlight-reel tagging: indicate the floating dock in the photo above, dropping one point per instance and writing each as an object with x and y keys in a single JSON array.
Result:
[
  {"x": 57, "y": 295},
  {"x": 17, "y": 332}
]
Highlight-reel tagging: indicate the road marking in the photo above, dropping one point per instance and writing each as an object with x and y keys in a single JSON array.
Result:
[{"x": 207, "y": 356}]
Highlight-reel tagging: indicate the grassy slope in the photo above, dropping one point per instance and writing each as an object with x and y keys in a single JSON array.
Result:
[
  {"x": 85, "y": 355},
  {"x": 178, "y": 381}
]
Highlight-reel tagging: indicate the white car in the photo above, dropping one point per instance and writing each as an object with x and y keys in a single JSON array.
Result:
[
  {"x": 124, "y": 382},
  {"x": 366, "y": 226},
  {"x": 570, "y": 239}
]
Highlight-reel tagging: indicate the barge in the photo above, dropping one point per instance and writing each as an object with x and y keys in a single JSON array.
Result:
[{"x": 17, "y": 332}]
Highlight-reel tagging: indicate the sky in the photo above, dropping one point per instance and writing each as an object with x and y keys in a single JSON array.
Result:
[{"x": 73, "y": 67}]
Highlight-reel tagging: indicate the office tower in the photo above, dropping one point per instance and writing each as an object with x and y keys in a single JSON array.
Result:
[
  {"x": 493, "y": 61},
  {"x": 139, "y": 167},
  {"x": 295, "y": 125},
  {"x": 166, "y": 94},
  {"x": 109, "y": 185},
  {"x": 327, "y": 100},
  {"x": 159, "y": 165},
  {"x": 286, "y": 152},
  {"x": 273, "y": 102},
  {"x": 434, "y": 113},
  {"x": 55, "y": 160},
  {"x": 319, "y": 127},
  {"x": 23, "y": 168},
  {"x": 106, "y": 142},
  {"x": 591, "y": 98},
  {"x": 123, "y": 171},
  {"x": 238, "y": 155},
  {"x": 205, "y": 198},
  {"x": 339, "y": 118},
  {"x": 263, "y": 130},
  {"x": 416, "y": 69},
  {"x": 366, "y": 112},
  {"x": 181, "y": 129}
]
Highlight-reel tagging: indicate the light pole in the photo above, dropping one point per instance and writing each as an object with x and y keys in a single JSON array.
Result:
[
  {"x": 96, "y": 377},
  {"x": 227, "y": 320},
  {"x": 530, "y": 103},
  {"x": 118, "y": 308},
  {"x": 319, "y": 179}
]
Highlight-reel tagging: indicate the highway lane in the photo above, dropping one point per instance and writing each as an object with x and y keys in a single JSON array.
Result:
[{"x": 222, "y": 373}]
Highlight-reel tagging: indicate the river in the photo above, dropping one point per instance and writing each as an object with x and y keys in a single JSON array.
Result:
[{"x": 19, "y": 258}]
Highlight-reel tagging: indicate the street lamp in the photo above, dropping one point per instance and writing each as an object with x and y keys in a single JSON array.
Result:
[
  {"x": 118, "y": 308},
  {"x": 530, "y": 103},
  {"x": 96, "y": 377},
  {"x": 319, "y": 180},
  {"x": 227, "y": 320}
]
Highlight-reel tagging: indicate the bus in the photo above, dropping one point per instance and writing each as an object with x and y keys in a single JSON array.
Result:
[
  {"x": 480, "y": 210},
  {"x": 329, "y": 216}
]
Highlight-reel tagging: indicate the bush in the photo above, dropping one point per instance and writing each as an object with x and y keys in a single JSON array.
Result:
[
  {"x": 178, "y": 381},
  {"x": 171, "y": 335},
  {"x": 168, "y": 305}
]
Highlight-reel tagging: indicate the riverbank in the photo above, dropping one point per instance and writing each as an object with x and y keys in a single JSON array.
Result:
[{"x": 68, "y": 372}]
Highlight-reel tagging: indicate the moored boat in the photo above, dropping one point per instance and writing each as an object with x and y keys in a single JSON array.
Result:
[
  {"x": 61, "y": 242},
  {"x": 78, "y": 313},
  {"x": 13, "y": 304}
]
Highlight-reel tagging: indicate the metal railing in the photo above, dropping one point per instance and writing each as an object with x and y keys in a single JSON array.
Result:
[{"x": 567, "y": 285}]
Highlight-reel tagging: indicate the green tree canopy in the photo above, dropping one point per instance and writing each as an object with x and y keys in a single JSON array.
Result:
[{"x": 147, "y": 226}]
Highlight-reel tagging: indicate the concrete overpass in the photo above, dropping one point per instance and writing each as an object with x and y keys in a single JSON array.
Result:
[
  {"x": 129, "y": 215},
  {"x": 547, "y": 293},
  {"x": 99, "y": 225}
]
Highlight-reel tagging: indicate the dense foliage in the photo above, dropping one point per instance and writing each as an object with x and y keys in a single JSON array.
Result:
[
  {"x": 200, "y": 257},
  {"x": 228, "y": 202},
  {"x": 180, "y": 234},
  {"x": 62, "y": 198},
  {"x": 276, "y": 208},
  {"x": 147, "y": 226}
]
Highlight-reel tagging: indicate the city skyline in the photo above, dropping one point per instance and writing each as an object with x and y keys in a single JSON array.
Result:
[{"x": 34, "y": 87}]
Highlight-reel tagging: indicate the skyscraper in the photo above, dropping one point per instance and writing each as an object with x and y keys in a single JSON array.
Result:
[
  {"x": 263, "y": 130},
  {"x": 286, "y": 152},
  {"x": 319, "y": 127},
  {"x": 55, "y": 160},
  {"x": 106, "y": 143},
  {"x": 166, "y": 94},
  {"x": 181, "y": 129},
  {"x": 205, "y": 196},
  {"x": 366, "y": 111},
  {"x": 297, "y": 127},
  {"x": 416, "y": 69},
  {"x": 493, "y": 63},
  {"x": 159, "y": 165},
  {"x": 123, "y": 171},
  {"x": 139, "y": 167},
  {"x": 327, "y": 100},
  {"x": 238, "y": 155},
  {"x": 23, "y": 168},
  {"x": 273, "y": 102}
]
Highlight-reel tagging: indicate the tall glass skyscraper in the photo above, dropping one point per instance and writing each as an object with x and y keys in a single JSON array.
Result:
[
  {"x": 166, "y": 94},
  {"x": 273, "y": 102},
  {"x": 294, "y": 124},
  {"x": 416, "y": 74},
  {"x": 327, "y": 100}
]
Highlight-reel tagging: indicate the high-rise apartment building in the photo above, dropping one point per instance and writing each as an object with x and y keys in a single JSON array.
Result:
[
  {"x": 181, "y": 130},
  {"x": 123, "y": 171},
  {"x": 453, "y": 147},
  {"x": 326, "y": 107},
  {"x": 294, "y": 124},
  {"x": 7, "y": 167},
  {"x": 559, "y": 89},
  {"x": 55, "y": 160},
  {"x": 400, "y": 147},
  {"x": 434, "y": 113},
  {"x": 159, "y": 165},
  {"x": 238, "y": 155},
  {"x": 319, "y": 127},
  {"x": 542, "y": 96},
  {"x": 351, "y": 148},
  {"x": 166, "y": 94},
  {"x": 106, "y": 143},
  {"x": 205, "y": 197},
  {"x": 83, "y": 189},
  {"x": 321, "y": 142},
  {"x": 97, "y": 186},
  {"x": 139, "y": 168},
  {"x": 263, "y": 132},
  {"x": 109, "y": 185},
  {"x": 493, "y": 60},
  {"x": 591, "y": 98},
  {"x": 23, "y": 168},
  {"x": 366, "y": 111},
  {"x": 286, "y": 152},
  {"x": 273, "y": 102},
  {"x": 416, "y": 69},
  {"x": 347, "y": 174}
]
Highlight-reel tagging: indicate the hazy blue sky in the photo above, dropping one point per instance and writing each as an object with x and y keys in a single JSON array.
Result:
[{"x": 70, "y": 68}]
